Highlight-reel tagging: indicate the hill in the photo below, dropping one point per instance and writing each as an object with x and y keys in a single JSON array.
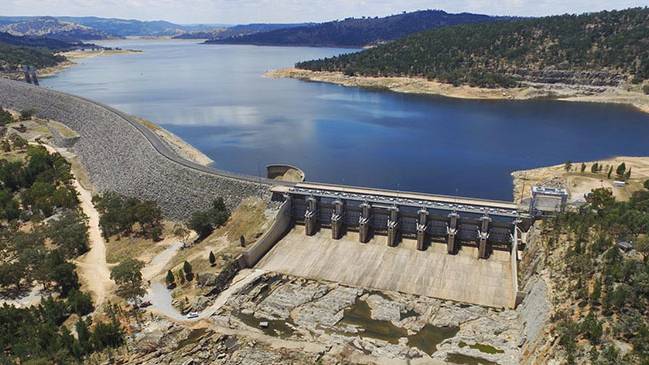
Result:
[
  {"x": 357, "y": 32},
  {"x": 11, "y": 56},
  {"x": 128, "y": 27},
  {"x": 52, "y": 28},
  {"x": 238, "y": 30},
  {"x": 603, "y": 49}
]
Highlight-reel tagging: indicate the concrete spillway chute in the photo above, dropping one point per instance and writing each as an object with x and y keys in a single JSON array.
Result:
[
  {"x": 451, "y": 232},
  {"x": 393, "y": 226}
]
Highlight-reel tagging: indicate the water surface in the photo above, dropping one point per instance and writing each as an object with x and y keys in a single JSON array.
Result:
[{"x": 214, "y": 97}]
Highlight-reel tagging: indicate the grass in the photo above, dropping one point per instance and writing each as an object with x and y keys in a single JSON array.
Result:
[
  {"x": 63, "y": 130},
  {"x": 248, "y": 219},
  {"x": 120, "y": 249}
]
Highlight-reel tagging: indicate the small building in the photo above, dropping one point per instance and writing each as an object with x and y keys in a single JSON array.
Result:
[{"x": 548, "y": 200}]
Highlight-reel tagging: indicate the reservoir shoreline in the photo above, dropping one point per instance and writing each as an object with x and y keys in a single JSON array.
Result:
[{"x": 422, "y": 86}]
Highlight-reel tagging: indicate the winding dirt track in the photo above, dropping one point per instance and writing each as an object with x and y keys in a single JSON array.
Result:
[{"x": 92, "y": 267}]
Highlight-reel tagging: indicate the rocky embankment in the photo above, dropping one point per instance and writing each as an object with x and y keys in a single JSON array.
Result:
[
  {"x": 560, "y": 85},
  {"x": 119, "y": 158}
]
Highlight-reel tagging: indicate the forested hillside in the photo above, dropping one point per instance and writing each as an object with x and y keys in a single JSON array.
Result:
[
  {"x": 12, "y": 56},
  {"x": 604, "y": 48},
  {"x": 358, "y": 32}
]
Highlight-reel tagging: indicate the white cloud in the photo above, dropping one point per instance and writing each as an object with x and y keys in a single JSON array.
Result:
[{"x": 246, "y": 11}]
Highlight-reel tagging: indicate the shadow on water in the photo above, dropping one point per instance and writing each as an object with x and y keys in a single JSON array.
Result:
[
  {"x": 278, "y": 328},
  {"x": 467, "y": 360},
  {"x": 426, "y": 339}
]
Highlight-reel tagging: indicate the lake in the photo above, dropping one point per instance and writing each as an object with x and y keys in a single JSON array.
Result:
[{"x": 214, "y": 97}]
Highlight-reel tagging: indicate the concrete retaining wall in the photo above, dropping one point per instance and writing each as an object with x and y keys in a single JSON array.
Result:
[
  {"x": 280, "y": 227},
  {"x": 118, "y": 157}
]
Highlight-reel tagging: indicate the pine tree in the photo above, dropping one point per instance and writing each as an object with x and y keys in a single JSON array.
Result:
[
  {"x": 583, "y": 167},
  {"x": 170, "y": 279},
  {"x": 187, "y": 269},
  {"x": 610, "y": 172},
  {"x": 212, "y": 259},
  {"x": 594, "y": 168},
  {"x": 621, "y": 169}
]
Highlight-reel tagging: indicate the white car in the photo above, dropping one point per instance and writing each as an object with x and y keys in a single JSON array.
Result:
[{"x": 192, "y": 315}]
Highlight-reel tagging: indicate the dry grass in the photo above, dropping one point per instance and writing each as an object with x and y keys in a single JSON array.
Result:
[
  {"x": 119, "y": 249},
  {"x": 63, "y": 130},
  {"x": 248, "y": 219},
  {"x": 579, "y": 184}
]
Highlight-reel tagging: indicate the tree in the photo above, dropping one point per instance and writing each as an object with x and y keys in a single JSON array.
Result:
[
  {"x": 79, "y": 303},
  {"x": 591, "y": 328},
  {"x": 170, "y": 279},
  {"x": 70, "y": 234},
  {"x": 642, "y": 246},
  {"x": 567, "y": 165},
  {"x": 627, "y": 175},
  {"x": 107, "y": 335},
  {"x": 5, "y": 117},
  {"x": 583, "y": 167},
  {"x": 242, "y": 241},
  {"x": 595, "y": 168},
  {"x": 26, "y": 114},
  {"x": 600, "y": 199},
  {"x": 212, "y": 259},
  {"x": 646, "y": 184},
  {"x": 128, "y": 277},
  {"x": 187, "y": 269},
  {"x": 610, "y": 172},
  {"x": 181, "y": 276},
  {"x": 84, "y": 337},
  {"x": 201, "y": 222},
  {"x": 621, "y": 169}
]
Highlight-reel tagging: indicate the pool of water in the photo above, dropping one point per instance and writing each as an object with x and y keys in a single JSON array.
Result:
[{"x": 214, "y": 97}]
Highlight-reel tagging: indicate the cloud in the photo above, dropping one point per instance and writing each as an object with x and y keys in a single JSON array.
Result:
[{"x": 248, "y": 11}]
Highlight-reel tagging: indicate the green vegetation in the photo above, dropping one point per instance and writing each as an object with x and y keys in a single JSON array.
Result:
[
  {"x": 12, "y": 56},
  {"x": 357, "y": 32},
  {"x": 495, "y": 54},
  {"x": 611, "y": 286},
  {"x": 128, "y": 277},
  {"x": 205, "y": 222},
  {"x": 5, "y": 117},
  {"x": 42, "y": 230},
  {"x": 128, "y": 216},
  {"x": 35, "y": 335}
]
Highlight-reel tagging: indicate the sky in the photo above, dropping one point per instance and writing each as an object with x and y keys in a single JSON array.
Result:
[{"x": 287, "y": 11}]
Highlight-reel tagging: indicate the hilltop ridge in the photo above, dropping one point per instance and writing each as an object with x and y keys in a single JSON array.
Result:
[
  {"x": 599, "y": 49},
  {"x": 358, "y": 32}
]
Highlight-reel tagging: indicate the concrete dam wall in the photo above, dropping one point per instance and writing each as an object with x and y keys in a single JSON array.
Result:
[{"x": 119, "y": 157}]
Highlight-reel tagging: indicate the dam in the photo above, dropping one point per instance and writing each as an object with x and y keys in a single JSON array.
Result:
[{"x": 453, "y": 248}]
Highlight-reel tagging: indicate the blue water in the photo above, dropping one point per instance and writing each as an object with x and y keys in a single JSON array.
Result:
[{"x": 214, "y": 97}]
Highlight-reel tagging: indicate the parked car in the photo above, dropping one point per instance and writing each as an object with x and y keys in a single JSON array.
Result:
[{"x": 192, "y": 315}]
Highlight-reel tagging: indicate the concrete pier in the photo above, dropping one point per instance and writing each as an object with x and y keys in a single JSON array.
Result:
[
  {"x": 364, "y": 222},
  {"x": 311, "y": 216},
  {"x": 451, "y": 231},
  {"x": 422, "y": 226},
  {"x": 393, "y": 226},
  {"x": 337, "y": 219}
]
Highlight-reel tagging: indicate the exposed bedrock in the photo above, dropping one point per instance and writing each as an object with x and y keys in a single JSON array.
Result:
[{"x": 119, "y": 158}]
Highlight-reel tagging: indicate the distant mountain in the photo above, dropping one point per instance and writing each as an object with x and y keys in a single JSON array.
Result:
[
  {"x": 239, "y": 30},
  {"x": 129, "y": 27},
  {"x": 604, "y": 48},
  {"x": 52, "y": 28},
  {"x": 358, "y": 32}
]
